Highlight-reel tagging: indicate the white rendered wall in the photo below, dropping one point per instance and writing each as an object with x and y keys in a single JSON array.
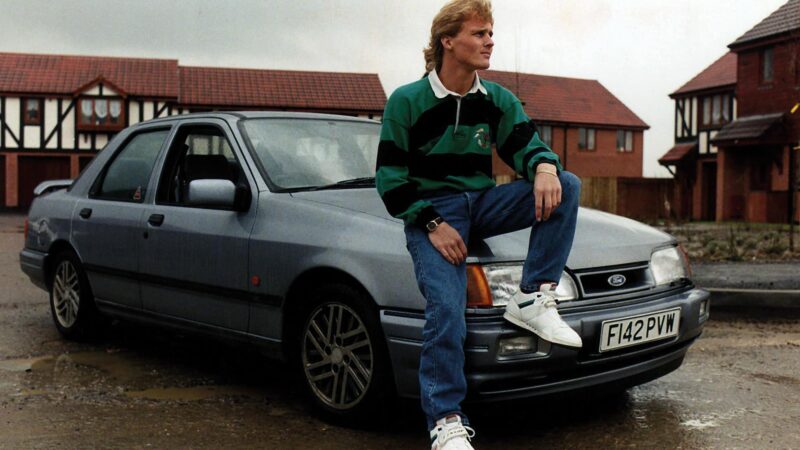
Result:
[
  {"x": 51, "y": 115},
  {"x": 133, "y": 112},
  {"x": 12, "y": 120},
  {"x": 32, "y": 138},
  {"x": 68, "y": 127}
]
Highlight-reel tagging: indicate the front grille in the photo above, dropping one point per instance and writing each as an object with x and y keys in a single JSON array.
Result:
[{"x": 614, "y": 280}]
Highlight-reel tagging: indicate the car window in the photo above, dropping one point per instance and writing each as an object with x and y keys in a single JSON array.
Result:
[
  {"x": 127, "y": 176},
  {"x": 198, "y": 152},
  {"x": 306, "y": 153}
]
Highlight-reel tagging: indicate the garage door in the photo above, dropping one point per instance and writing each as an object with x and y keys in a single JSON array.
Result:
[{"x": 33, "y": 170}]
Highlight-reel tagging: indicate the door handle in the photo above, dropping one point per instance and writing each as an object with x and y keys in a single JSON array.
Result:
[
  {"x": 85, "y": 213},
  {"x": 156, "y": 219}
]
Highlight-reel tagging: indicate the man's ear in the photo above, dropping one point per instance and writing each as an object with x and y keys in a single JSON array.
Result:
[{"x": 446, "y": 42}]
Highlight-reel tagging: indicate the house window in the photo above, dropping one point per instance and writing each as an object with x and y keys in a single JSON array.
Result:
[
  {"x": 624, "y": 141},
  {"x": 546, "y": 135},
  {"x": 33, "y": 111},
  {"x": 100, "y": 114},
  {"x": 586, "y": 138},
  {"x": 766, "y": 65},
  {"x": 716, "y": 110}
]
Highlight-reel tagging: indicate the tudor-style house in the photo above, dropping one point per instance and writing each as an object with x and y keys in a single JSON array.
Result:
[
  {"x": 756, "y": 159},
  {"x": 57, "y": 112},
  {"x": 593, "y": 132},
  {"x": 703, "y": 106}
]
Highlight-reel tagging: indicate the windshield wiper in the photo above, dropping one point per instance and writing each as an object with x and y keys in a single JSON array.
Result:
[{"x": 362, "y": 181}]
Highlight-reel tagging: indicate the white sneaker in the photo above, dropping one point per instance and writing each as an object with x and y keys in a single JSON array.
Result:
[
  {"x": 450, "y": 434},
  {"x": 537, "y": 312}
]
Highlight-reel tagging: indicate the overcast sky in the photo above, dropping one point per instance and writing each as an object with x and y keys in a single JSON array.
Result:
[{"x": 641, "y": 50}]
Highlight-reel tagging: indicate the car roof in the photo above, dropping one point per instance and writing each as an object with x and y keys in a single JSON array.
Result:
[{"x": 238, "y": 115}]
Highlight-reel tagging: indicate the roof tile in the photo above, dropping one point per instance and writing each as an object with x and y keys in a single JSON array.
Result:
[
  {"x": 570, "y": 100},
  {"x": 786, "y": 18},
  {"x": 677, "y": 153},
  {"x": 64, "y": 74},
  {"x": 281, "y": 89},
  {"x": 721, "y": 72}
]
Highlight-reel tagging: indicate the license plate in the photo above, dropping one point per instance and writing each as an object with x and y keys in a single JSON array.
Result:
[{"x": 635, "y": 330}]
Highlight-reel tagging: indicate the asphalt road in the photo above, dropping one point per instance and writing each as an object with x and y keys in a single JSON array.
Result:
[{"x": 142, "y": 388}]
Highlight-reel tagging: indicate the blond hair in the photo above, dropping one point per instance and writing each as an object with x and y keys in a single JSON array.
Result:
[{"x": 448, "y": 22}]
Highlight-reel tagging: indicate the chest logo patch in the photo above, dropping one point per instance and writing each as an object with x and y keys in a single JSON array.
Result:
[{"x": 483, "y": 138}]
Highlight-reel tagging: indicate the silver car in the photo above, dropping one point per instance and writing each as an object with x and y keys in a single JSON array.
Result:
[{"x": 266, "y": 228}]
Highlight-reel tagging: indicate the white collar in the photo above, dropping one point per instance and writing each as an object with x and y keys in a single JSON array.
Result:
[{"x": 441, "y": 92}]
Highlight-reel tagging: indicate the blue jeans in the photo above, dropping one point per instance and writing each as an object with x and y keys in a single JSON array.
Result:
[{"x": 478, "y": 215}]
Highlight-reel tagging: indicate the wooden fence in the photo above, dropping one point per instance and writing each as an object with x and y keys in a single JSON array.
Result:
[{"x": 637, "y": 198}]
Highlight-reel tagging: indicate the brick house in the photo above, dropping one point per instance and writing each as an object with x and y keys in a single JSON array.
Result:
[
  {"x": 594, "y": 133},
  {"x": 57, "y": 112},
  {"x": 756, "y": 159},
  {"x": 703, "y": 106}
]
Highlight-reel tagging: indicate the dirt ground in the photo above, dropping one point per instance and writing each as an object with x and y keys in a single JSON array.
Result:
[
  {"x": 711, "y": 242},
  {"x": 739, "y": 388}
]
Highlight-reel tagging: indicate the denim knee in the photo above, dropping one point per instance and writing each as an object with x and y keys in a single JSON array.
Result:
[{"x": 570, "y": 186}]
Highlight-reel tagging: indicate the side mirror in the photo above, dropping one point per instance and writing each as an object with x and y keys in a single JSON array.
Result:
[{"x": 213, "y": 193}]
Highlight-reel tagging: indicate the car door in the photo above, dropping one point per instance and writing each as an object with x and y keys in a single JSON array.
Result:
[
  {"x": 194, "y": 260},
  {"x": 106, "y": 225}
]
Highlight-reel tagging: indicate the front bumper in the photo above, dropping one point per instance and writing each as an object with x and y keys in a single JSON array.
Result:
[
  {"x": 552, "y": 368},
  {"x": 32, "y": 263}
]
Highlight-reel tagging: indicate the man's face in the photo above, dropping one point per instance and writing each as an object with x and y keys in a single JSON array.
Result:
[{"x": 472, "y": 46}]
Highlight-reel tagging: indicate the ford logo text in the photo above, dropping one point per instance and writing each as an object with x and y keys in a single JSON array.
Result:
[{"x": 617, "y": 280}]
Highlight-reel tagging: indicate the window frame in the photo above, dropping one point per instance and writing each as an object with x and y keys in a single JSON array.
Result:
[
  {"x": 585, "y": 143},
  {"x": 626, "y": 140},
  {"x": 173, "y": 151},
  {"x": 713, "y": 110},
  {"x": 549, "y": 135},
  {"x": 80, "y": 126},
  {"x": 39, "y": 113},
  {"x": 94, "y": 190},
  {"x": 766, "y": 65}
]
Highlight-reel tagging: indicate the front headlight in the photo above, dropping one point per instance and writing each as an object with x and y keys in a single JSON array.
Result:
[
  {"x": 503, "y": 281},
  {"x": 668, "y": 265}
]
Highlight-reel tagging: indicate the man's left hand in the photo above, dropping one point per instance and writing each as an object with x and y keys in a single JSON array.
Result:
[{"x": 546, "y": 195}]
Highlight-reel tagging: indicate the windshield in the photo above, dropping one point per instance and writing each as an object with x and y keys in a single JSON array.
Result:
[{"x": 310, "y": 153}]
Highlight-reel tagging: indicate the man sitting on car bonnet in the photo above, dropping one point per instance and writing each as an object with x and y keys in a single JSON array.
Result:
[{"x": 434, "y": 171}]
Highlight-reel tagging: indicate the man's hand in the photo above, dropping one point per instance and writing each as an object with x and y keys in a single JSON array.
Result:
[
  {"x": 448, "y": 242},
  {"x": 546, "y": 195}
]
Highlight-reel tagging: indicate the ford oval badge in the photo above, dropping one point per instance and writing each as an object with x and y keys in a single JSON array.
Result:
[{"x": 617, "y": 280}]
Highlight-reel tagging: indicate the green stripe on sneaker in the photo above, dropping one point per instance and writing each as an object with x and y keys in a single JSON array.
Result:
[{"x": 528, "y": 303}]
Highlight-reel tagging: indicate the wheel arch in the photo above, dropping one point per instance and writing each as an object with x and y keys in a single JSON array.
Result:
[
  {"x": 57, "y": 247},
  {"x": 297, "y": 297}
]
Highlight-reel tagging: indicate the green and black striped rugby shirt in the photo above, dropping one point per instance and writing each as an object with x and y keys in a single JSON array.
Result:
[{"x": 435, "y": 141}]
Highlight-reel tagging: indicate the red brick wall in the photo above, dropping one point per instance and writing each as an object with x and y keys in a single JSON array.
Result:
[
  {"x": 603, "y": 161},
  {"x": 755, "y": 97}
]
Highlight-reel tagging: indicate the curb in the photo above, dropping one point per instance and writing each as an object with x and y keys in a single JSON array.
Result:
[{"x": 768, "y": 298}]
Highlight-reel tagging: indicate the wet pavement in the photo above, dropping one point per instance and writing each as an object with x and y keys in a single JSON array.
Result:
[{"x": 144, "y": 388}]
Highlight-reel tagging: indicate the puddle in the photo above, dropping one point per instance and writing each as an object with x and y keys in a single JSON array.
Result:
[
  {"x": 192, "y": 393},
  {"x": 22, "y": 365}
]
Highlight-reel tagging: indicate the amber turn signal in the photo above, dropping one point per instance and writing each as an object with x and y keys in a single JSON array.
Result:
[{"x": 478, "y": 293}]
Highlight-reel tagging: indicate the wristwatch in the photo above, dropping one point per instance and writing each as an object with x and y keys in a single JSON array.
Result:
[{"x": 433, "y": 224}]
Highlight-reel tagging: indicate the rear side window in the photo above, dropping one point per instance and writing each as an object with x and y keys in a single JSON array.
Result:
[{"x": 127, "y": 176}]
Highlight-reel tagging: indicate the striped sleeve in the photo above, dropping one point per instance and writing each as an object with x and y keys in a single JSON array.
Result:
[
  {"x": 398, "y": 193},
  {"x": 519, "y": 145}
]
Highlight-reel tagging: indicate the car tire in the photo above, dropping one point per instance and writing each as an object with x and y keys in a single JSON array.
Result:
[
  {"x": 71, "y": 301},
  {"x": 343, "y": 358}
]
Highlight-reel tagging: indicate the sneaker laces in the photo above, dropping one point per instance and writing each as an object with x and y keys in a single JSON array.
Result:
[
  {"x": 453, "y": 431},
  {"x": 548, "y": 302}
]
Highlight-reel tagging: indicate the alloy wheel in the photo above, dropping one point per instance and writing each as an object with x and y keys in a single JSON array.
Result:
[
  {"x": 337, "y": 355},
  {"x": 66, "y": 294}
]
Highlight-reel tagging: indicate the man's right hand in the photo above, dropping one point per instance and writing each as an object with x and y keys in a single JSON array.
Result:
[{"x": 448, "y": 242}]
